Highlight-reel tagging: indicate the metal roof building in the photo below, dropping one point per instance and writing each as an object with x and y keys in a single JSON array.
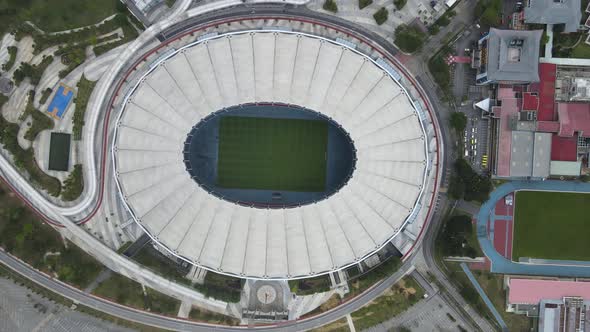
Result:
[
  {"x": 385, "y": 192},
  {"x": 567, "y": 12},
  {"x": 509, "y": 56}
]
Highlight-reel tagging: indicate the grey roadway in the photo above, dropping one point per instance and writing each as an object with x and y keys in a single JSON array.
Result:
[{"x": 172, "y": 323}]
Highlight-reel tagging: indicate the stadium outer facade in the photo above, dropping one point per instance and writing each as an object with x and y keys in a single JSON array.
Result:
[{"x": 384, "y": 201}]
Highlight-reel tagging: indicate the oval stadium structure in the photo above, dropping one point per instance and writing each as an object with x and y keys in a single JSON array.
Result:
[{"x": 315, "y": 156}]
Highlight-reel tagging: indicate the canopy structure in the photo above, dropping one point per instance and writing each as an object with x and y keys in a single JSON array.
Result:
[{"x": 271, "y": 67}]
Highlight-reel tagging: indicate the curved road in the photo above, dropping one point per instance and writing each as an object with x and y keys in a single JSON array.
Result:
[{"x": 172, "y": 323}]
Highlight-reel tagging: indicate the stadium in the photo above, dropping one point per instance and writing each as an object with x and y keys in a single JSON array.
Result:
[{"x": 274, "y": 154}]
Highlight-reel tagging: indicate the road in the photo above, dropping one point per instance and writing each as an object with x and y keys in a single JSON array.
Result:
[
  {"x": 450, "y": 293},
  {"x": 172, "y": 323}
]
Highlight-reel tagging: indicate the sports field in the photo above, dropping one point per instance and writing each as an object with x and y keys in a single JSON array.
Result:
[
  {"x": 272, "y": 154},
  {"x": 551, "y": 225},
  {"x": 59, "y": 152}
]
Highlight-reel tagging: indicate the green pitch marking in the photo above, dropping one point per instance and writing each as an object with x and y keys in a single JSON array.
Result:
[
  {"x": 551, "y": 225},
  {"x": 272, "y": 154}
]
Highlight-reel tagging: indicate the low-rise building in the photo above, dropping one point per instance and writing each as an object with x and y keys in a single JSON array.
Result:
[
  {"x": 508, "y": 57},
  {"x": 560, "y": 305},
  {"x": 566, "y": 12}
]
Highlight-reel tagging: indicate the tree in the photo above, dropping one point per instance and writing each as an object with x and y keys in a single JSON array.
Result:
[
  {"x": 409, "y": 38},
  {"x": 490, "y": 17},
  {"x": 458, "y": 122},
  {"x": 331, "y": 6},
  {"x": 476, "y": 187},
  {"x": 399, "y": 4},
  {"x": 381, "y": 16},
  {"x": 364, "y": 3}
]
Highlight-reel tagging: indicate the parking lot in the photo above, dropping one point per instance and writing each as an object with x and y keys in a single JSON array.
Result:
[{"x": 474, "y": 145}]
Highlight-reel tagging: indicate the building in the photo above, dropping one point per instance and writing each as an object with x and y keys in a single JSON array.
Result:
[
  {"x": 566, "y": 12},
  {"x": 508, "y": 57},
  {"x": 560, "y": 305},
  {"x": 519, "y": 151},
  {"x": 208, "y": 225},
  {"x": 542, "y": 129}
]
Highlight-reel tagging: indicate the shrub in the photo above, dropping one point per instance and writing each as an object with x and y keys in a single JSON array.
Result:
[
  {"x": 364, "y": 3},
  {"x": 33, "y": 72},
  {"x": 331, "y": 6},
  {"x": 85, "y": 88},
  {"x": 73, "y": 185},
  {"x": 399, "y": 4},
  {"x": 12, "y": 58},
  {"x": 433, "y": 29},
  {"x": 408, "y": 38},
  {"x": 381, "y": 16},
  {"x": 46, "y": 93}
]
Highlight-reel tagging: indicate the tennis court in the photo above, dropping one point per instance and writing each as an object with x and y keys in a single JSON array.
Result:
[
  {"x": 59, "y": 152},
  {"x": 60, "y": 101},
  {"x": 272, "y": 154}
]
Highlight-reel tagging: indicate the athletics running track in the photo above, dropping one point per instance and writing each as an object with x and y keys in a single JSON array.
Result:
[{"x": 503, "y": 265}]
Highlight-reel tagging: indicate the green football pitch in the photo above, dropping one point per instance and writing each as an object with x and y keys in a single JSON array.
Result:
[
  {"x": 272, "y": 154},
  {"x": 551, "y": 225}
]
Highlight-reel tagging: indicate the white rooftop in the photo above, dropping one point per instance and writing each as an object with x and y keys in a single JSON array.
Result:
[{"x": 270, "y": 66}]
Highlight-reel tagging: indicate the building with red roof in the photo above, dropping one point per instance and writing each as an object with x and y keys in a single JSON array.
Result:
[{"x": 560, "y": 305}]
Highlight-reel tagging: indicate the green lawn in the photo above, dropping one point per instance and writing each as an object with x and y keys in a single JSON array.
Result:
[
  {"x": 394, "y": 301},
  {"x": 57, "y": 15},
  {"x": 272, "y": 154},
  {"x": 551, "y": 225},
  {"x": 581, "y": 51}
]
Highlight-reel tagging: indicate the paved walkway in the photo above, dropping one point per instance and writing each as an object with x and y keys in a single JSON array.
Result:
[
  {"x": 500, "y": 264},
  {"x": 484, "y": 297}
]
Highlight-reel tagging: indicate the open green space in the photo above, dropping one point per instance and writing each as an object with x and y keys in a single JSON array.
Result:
[
  {"x": 23, "y": 235},
  {"x": 340, "y": 325},
  {"x": 582, "y": 51},
  {"x": 203, "y": 315},
  {"x": 551, "y": 225},
  {"x": 394, "y": 301},
  {"x": 55, "y": 15},
  {"x": 369, "y": 278},
  {"x": 493, "y": 286},
  {"x": 128, "y": 292},
  {"x": 59, "y": 152},
  {"x": 310, "y": 286},
  {"x": 216, "y": 286},
  {"x": 272, "y": 154},
  {"x": 122, "y": 290},
  {"x": 25, "y": 159}
]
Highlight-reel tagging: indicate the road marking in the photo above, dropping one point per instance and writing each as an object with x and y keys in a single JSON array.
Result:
[{"x": 350, "y": 323}]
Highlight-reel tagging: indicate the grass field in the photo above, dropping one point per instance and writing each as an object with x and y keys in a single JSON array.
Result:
[
  {"x": 272, "y": 154},
  {"x": 551, "y": 225}
]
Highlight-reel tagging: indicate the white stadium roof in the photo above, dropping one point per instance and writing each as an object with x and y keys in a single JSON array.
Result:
[{"x": 270, "y": 66}]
